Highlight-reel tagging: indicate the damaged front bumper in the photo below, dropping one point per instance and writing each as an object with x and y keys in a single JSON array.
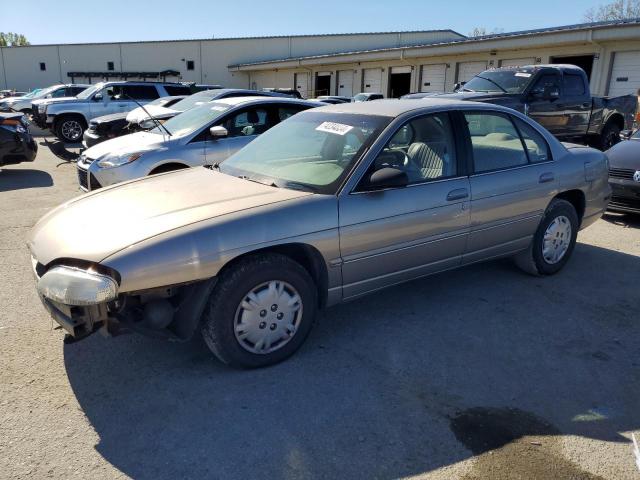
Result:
[{"x": 171, "y": 313}]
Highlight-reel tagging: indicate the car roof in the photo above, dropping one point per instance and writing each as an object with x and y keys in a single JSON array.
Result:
[
  {"x": 395, "y": 108},
  {"x": 233, "y": 101}
]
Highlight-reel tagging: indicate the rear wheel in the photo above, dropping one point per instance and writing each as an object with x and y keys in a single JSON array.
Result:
[
  {"x": 260, "y": 312},
  {"x": 610, "y": 136},
  {"x": 70, "y": 129},
  {"x": 553, "y": 242}
]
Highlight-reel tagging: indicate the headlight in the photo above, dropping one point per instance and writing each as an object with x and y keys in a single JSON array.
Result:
[
  {"x": 42, "y": 107},
  {"x": 20, "y": 129},
  {"x": 75, "y": 286},
  {"x": 111, "y": 162}
]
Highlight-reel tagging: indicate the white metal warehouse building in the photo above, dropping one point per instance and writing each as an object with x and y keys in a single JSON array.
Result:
[{"x": 391, "y": 63}]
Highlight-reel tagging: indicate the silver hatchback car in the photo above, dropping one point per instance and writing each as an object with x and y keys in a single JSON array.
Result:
[
  {"x": 331, "y": 204},
  {"x": 203, "y": 135}
]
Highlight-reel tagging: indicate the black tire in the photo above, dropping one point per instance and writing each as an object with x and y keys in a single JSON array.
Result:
[
  {"x": 70, "y": 128},
  {"x": 219, "y": 317},
  {"x": 532, "y": 260},
  {"x": 609, "y": 136}
]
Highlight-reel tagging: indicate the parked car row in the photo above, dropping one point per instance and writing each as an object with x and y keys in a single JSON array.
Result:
[{"x": 323, "y": 204}]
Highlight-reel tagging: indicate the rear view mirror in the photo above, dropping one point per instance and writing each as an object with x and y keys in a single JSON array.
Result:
[
  {"x": 218, "y": 132},
  {"x": 387, "y": 177}
]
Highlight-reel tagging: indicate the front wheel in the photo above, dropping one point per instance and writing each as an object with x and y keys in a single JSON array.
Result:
[
  {"x": 70, "y": 129},
  {"x": 553, "y": 242},
  {"x": 260, "y": 312}
]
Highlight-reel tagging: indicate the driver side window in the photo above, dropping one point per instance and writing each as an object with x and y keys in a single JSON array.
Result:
[
  {"x": 545, "y": 81},
  {"x": 423, "y": 148},
  {"x": 249, "y": 122}
]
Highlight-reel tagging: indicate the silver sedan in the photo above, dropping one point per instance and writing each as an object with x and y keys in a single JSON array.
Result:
[
  {"x": 333, "y": 203},
  {"x": 203, "y": 135}
]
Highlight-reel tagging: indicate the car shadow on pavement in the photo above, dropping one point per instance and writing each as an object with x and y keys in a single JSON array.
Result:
[
  {"x": 623, "y": 219},
  {"x": 20, "y": 178},
  {"x": 387, "y": 386}
]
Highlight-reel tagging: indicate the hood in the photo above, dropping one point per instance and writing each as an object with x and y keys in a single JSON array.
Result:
[
  {"x": 625, "y": 154},
  {"x": 97, "y": 225},
  {"x": 49, "y": 101},
  {"x": 126, "y": 145},
  {"x": 108, "y": 118},
  {"x": 137, "y": 115}
]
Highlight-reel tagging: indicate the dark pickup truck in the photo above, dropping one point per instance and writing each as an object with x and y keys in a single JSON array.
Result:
[{"x": 556, "y": 96}]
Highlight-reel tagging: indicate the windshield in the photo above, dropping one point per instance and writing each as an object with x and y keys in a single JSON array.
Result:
[
  {"x": 503, "y": 81},
  {"x": 195, "y": 99},
  {"x": 361, "y": 97},
  {"x": 87, "y": 92},
  {"x": 33, "y": 94},
  {"x": 45, "y": 91},
  {"x": 636, "y": 134},
  {"x": 311, "y": 151},
  {"x": 193, "y": 120}
]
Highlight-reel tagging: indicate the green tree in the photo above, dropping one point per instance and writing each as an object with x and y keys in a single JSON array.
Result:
[
  {"x": 482, "y": 31},
  {"x": 617, "y": 10},
  {"x": 10, "y": 39}
]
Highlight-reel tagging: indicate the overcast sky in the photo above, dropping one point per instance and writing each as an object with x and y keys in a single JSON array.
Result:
[{"x": 129, "y": 20}]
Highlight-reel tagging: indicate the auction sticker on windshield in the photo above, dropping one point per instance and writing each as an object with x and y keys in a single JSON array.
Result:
[
  {"x": 523, "y": 74},
  {"x": 331, "y": 127}
]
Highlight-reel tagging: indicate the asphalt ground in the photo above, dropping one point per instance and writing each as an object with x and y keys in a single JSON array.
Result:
[{"x": 479, "y": 373}]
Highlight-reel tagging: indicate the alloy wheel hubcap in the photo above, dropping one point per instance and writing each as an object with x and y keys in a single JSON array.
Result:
[
  {"x": 556, "y": 240},
  {"x": 71, "y": 129},
  {"x": 268, "y": 317}
]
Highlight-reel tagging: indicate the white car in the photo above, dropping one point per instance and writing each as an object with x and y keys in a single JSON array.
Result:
[
  {"x": 24, "y": 104},
  {"x": 203, "y": 135}
]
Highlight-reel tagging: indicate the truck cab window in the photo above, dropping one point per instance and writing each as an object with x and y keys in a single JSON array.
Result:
[{"x": 573, "y": 84}]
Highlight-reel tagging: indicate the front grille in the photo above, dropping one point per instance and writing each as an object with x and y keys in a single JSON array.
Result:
[
  {"x": 82, "y": 179},
  {"x": 625, "y": 173},
  {"x": 93, "y": 181},
  {"x": 625, "y": 203}
]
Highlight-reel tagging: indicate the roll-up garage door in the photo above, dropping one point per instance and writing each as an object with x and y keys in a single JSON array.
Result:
[
  {"x": 625, "y": 74},
  {"x": 517, "y": 62},
  {"x": 372, "y": 80},
  {"x": 302, "y": 83},
  {"x": 432, "y": 78},
  {"x": 345, "y": 83},
  {"x": 468, "y": 70}
]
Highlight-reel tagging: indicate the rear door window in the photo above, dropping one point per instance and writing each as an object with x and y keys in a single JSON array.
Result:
[
  {"x": 496, "y": 143},
  {"x": 139, "y": 92},
  {"x": 537, "y": 147}
]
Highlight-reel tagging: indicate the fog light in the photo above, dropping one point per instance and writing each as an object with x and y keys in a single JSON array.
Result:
[{"x": 75, "y": 286}]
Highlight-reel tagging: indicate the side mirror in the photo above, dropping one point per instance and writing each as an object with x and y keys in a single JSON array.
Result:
[
  {"x": 98, "y": 97},
  {"x": 387, "y": 177},
  {"x": 626, "y": 134},
  {"x": 218, "y": 132}
]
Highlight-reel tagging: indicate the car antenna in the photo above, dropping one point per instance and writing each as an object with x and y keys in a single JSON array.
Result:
[{"x": 157, "y": 122}]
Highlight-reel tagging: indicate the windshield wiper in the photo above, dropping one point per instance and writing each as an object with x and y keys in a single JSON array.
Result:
[
  {"x": 489, "y": 80},
  {"x": 300, "y": 186}
]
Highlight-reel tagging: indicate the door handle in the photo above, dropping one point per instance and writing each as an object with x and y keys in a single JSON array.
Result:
[
  {"x": 457, "y": 194},
  {"x": 586, "y": 104},
  {"x": 546, "y": 177}
]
